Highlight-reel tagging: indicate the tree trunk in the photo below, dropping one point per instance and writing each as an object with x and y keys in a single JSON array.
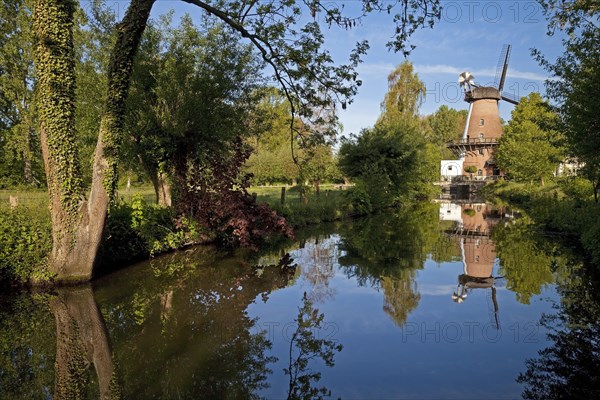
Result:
[
  {"x": 77, "y": 224},
  {"x": 81, "y": 341},
  {"x": 162, "y": 189}
]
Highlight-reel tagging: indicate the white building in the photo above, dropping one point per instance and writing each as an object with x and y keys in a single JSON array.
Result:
[{"x": 450, "y": 169}]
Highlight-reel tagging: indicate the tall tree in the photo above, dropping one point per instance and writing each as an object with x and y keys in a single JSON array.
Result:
[
  {"x": 77, "y": 224},
  {"x": 306, "y": 72},
  {"x": 193, "y": 88},
  {"x": 405, "y": 94},
  {"x": 576, "y": 81},
  {"x": 531, "y": 147}
]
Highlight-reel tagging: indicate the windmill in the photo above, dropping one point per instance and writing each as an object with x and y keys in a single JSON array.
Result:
[{"x": 483, "y": 127}]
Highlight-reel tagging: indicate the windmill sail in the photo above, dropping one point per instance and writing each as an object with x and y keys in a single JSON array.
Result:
[
  {"x": 509, "y": 97},
  {"x": 502, "y": 67}
]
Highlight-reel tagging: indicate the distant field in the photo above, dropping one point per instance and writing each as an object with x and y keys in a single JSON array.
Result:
[
  {"x": 268, "y": 194},
  {"x": 28, "y": 198},
  {"x": 272, "y": 194}
]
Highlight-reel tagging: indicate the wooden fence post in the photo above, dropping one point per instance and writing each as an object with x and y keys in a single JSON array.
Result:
[{"x": 282, "y": 195}]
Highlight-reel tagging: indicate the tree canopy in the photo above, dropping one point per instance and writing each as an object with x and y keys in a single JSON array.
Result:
[
  {"x": 576, "y": 80},
  {"x": 531, "y": 146}
]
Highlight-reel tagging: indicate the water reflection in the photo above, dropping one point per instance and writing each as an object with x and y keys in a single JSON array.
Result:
[
  {"x": 210, "y": 324},
  {"x": 304, "y": 346},
  {"x": 568, "y": 368},
  {"x": 187, "y": 332},
  {"x": 386, "y": 251},
  {"x": 474, "y": 223},
  {"x": 81, "y": 343}
]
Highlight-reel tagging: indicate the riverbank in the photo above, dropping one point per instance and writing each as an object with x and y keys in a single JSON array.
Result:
[
  {"x": 564, "y": 207},
  {"x": 137, "y": 228}
]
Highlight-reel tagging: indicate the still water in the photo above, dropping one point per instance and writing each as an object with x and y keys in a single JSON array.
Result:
[{"x": 442, "y": 301}]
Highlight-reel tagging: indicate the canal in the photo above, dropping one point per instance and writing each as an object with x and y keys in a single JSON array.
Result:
[{"x": 444, "y": 301}]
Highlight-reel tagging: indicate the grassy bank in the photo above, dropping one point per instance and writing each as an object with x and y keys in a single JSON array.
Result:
[
  {"x": 136, "y": 228},
  {"x": 564, "y": 207},
  {"x": 331, "y": 204}
]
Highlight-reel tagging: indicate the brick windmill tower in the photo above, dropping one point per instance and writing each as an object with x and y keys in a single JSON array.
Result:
[{"x": 483, "y": 128}]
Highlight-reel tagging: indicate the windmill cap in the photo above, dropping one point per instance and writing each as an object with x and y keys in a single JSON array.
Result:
[{"x": 483, "y": 92}]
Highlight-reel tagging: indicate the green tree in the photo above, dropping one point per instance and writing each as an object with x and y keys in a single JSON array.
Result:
[
  {"x": 94, "y": 35},
  {"x": 306, "y": 72},
  {"x": 530, "y": 148},
  {"x": 405, "y": 94},
  {"x": 385, "y": 163},
  {"x": 271, "y": 160},
  {"x": 392, "y": 160},
  {"x": 192, "y": 90},
  {"x": 77, "y": 221},
  {"x": 20, "y": 158},
  {"x": 444, "y": 125},
  {"x": 576, "y": 80}
]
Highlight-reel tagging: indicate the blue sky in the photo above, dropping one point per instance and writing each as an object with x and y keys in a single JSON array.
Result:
[{"x": 469, "y": 37}]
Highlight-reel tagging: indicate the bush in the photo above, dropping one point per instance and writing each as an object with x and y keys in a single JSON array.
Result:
[
  {"x": 138, "y": 230},
  {"x": 25, "y": 243}
]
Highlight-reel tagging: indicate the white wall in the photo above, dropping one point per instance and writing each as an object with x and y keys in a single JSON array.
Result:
[
  {"x": 450, "y": 212},
  {"x": 450, "y": 168}
]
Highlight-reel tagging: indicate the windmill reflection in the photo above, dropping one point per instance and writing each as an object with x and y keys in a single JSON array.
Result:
[{"x": 474, "y": 221}]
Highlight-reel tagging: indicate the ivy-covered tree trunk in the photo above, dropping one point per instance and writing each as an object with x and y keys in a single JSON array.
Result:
[
  {"x": 81, "y": 342},
  {"x": 77, "y": 223}
]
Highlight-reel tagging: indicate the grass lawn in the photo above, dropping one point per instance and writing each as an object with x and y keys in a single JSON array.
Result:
[{"x": 328, "y": 198}]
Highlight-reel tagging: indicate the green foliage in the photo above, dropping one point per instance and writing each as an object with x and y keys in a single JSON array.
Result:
[
  {"x": 557, "y": 208},
  {"x": 387, "y": 163},
  {"x": 326, "y": 207},
  {"x": 94, "y": 37},
  {"x": 576, "y": 80},
  {"x": 531, "y": 146},
  {"x": 193, "y": 88},
  {"x": 20, "y": 152},
  {"x": 405, "y": 94},
  {"x": 446, "y": 124},
  {"x": 54, "y": 55},
  {"x": 526, "y": 267},
  {"x": 25, "y": 243},
  {"x": 27, "y": 346},
  {"x": 138, "y": 230},
  {"x": 471, "y": 169}
]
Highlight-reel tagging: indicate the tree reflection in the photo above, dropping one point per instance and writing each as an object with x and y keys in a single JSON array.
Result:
[
  {"x": 318, "y": 258},
  {"x": 81, "y": 342},
  {"x": 400, "y": 296},
  {"x": 306, "y": 346},
  {"x": 27, "y": 347},
  {"x": 569, "y": 368},
  {"x": 386, "y": 251},
  {"x": 185, "y": 331},
  {"x": 526, "y": 259}
]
